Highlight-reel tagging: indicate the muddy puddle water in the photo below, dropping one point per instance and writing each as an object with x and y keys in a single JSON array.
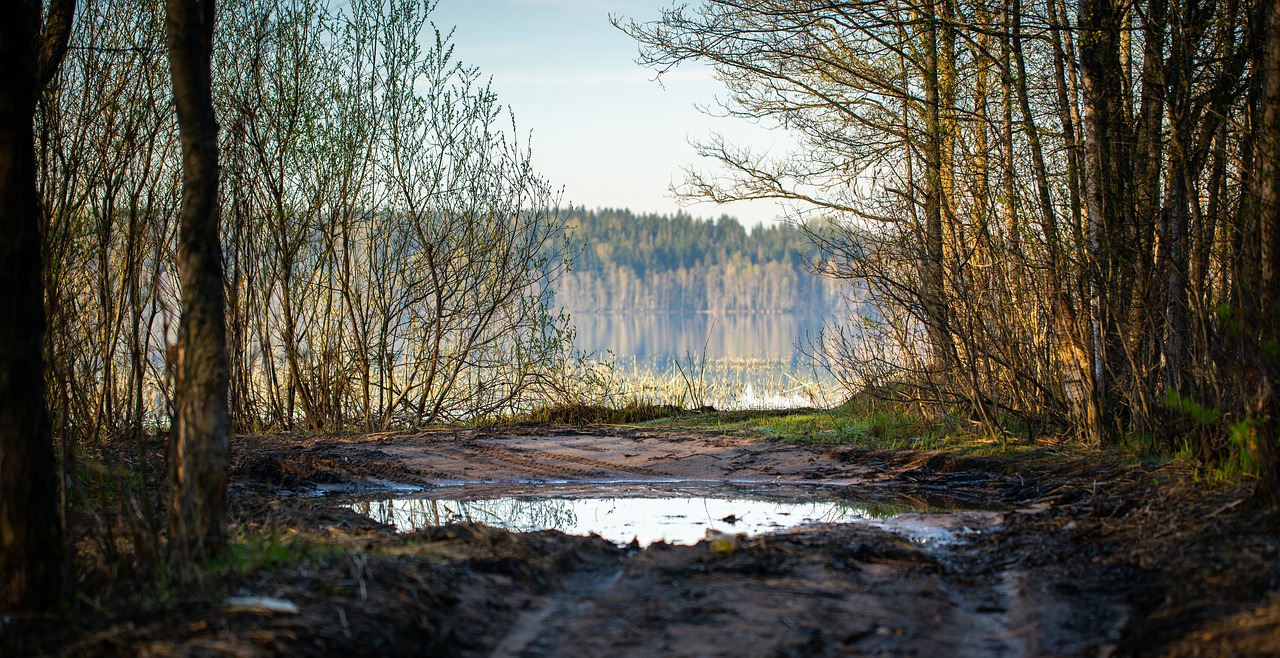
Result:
[{"x": 677, "y": 516}]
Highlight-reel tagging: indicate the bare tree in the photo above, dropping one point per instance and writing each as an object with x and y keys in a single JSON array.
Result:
[
  {"x": 31, "y": 544},
  {"x": 352, "y": 142},
  {"x": 1113, "y": 266},
  {"x": 1261, "y": 286},
  {"x": 198, "y": 452},
  {"x": 391, "y": 248}
]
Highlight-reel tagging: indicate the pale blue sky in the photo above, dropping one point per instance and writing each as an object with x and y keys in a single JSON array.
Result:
[{"x": 601, "y": 126}]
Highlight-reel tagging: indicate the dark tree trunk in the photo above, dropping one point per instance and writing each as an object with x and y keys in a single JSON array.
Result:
[
  {"x": 1057, "y": 26},
  {"x": 1048, "y": 219},
  {"x": 31, "y": 546},
  {"x": 1107, "y": 195},
  {"x": 1263, "y": 309},
  {"x": 1175, "y": 219},
  {"x": 1145, "y": 311},
  {"x": 198, "y": 454}
]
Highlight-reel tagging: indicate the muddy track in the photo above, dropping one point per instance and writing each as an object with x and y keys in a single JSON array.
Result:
[
  {"x": 612, "y": 453},
  {"x": 505, "y": 460},
  {"x": 839, "y": 590},
  {"x": 600, "y": 465},
  {"x": 834, "y": 591},
  {"x": 541, "y": 461},
  {"x": 1036, "y": 580}
]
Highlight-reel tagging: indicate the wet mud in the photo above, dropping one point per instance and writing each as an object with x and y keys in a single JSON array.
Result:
[{"x": 1053, "y": 556}]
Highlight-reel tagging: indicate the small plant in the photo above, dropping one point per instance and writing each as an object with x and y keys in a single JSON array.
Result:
[
  {"x": 694, "y": 380},
  {"x": 1204, "y": 416},
  {"x": 273, "y": 551}
]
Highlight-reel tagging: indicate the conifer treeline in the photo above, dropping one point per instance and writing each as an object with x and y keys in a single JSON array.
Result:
[{"x": 674, "y": 264}]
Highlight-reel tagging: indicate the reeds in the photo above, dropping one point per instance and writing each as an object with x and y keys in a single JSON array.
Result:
[{"x": 726, "y": 383}]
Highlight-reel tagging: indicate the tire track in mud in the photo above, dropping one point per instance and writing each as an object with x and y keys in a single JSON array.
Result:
[
  {"x": 532, "y": 633},
  {"x": 584, "y": 461},
  {"x": 823, "y": 594},
  {"x": 510, "y": 460},
  {"x": 377, "y": 465},
  {"x": 495, "y": 459},
  {"x": 453, "y": 462}
]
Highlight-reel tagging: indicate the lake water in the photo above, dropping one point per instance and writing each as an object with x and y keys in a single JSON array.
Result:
[
  {"x": 742, "y": 360},
  {"x": 770, "y": 336}
]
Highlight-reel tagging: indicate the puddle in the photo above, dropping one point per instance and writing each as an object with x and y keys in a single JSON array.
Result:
[{"x": 676, "y": 516}]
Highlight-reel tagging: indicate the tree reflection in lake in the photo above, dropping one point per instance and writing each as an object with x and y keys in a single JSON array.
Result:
[
  {"x": 748, "y": 360},
  {"x": 769, "y": 336}
]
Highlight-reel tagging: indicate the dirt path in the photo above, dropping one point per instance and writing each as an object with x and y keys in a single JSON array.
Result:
[
  {"x": 817, "y": 591},
  {"x": 549, "y": 453},
  {"x": 830, "y": 592},
  {"x": 478, "y": 460},
  {"x": 1069, "y": 556}
]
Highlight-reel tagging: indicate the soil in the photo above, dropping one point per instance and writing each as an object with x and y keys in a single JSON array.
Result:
[{"x": 1074, "y": 555}]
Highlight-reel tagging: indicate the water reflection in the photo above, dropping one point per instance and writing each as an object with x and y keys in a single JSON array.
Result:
[
  {"x": 736, "y": 361},
  {"x": 682, "y": 519},
  {"x": 646, "y": 336}
]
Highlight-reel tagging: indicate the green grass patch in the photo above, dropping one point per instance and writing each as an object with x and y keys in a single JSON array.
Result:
[
  {"x": 271, "y": 552},
  {"x": 812, "y": 426},
  {"x": 880, "y": 425},
  {"x": 886, "y": 510},
  {"x": 865, "y": 422}
]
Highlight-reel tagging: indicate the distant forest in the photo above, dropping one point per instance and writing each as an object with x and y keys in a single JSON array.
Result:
[{"x": 678, "y": 264}]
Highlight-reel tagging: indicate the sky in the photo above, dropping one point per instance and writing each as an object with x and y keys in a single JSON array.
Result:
[{"x": 601, "y": 126}]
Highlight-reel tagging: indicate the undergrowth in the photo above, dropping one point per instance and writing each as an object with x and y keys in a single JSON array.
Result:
[{"x": 876, "y": 423}]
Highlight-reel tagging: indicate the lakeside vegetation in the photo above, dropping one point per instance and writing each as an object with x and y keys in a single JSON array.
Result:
[
  {"x": 1057, "y": 219},
  {"x": 389, "y": 261}
]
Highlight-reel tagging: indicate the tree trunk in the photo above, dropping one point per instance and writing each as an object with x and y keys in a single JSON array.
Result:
[
  {"x": 1066, "y": 109},
  {"x": 31, "y": 545},
  {"x": 1145, "y": 311},
  {"x": 1265, "y": 306},
  {"x": 934, "y": 285},
  {"x": 1009, "y": 205},
  {"x": 1049, "y": 221},
  {"x": 1107, "y": 194},
  {"x": 198, "y": 453}
]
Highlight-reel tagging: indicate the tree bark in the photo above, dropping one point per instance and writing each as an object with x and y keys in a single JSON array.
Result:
[
  {"x": 1048, "y": 218},
  {"x": 198, "y": 452},
  {"x": 1107, "y": 195},
  {"x": 1059, "y": 35},
  {"x": 1145, "y": 311},
  {"x": 31, "y": 544},
  {"x": 934, "y": 285},
  {"x": 1175, "y": 218},
  {"x": 1264, "y": 324}
]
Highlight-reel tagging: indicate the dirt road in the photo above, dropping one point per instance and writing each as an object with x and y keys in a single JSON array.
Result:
[
  {"x": 472, "y": 460},
  {"x": 829, "y": 590},
  {"x": 1066, "y": 557}
]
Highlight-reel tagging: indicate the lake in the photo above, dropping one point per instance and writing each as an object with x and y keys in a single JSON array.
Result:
[{"x": 743, "y": 360}]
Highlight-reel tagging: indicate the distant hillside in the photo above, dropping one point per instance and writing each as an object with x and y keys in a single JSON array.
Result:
[{"x": 676, "y": 264}]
